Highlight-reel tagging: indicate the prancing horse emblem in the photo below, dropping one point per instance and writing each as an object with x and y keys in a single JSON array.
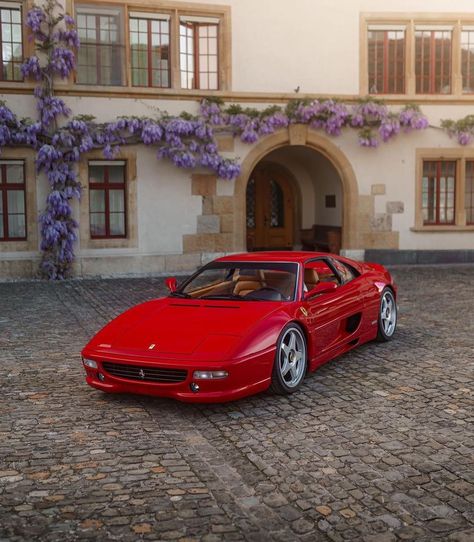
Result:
[{"x": 141, "y": 374}]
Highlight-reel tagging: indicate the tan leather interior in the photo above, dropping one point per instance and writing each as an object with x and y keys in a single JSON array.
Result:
[
  {"x": 244, "y": 287},
  {"x": 311, "y": 278}
]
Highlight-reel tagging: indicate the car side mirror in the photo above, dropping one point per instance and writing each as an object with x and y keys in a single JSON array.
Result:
[
  {"x": 171, "y": 284},
  {"x": 321, "y": 288}
]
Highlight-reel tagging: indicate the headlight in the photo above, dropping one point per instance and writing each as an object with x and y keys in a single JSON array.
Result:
[
  {"x": 89, "y": 363},
  {"x": 210, "y": 375}
]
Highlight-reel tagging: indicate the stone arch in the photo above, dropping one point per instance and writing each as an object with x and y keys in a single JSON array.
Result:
[{"x": 298, "y": 134}]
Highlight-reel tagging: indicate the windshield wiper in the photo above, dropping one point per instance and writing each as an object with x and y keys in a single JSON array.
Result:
[{"x": 179, "y": 294}]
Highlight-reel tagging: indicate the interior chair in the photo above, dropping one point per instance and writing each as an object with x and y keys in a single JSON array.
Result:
[{"x": 311, "y": 278}]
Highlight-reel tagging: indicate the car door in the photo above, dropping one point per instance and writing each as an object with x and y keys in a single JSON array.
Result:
[{"x": 331, "y": 314}]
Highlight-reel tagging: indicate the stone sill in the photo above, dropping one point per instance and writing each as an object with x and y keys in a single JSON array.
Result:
[
  {"x": 127, "y": 91},
  {"x": 437, "y": 229}
]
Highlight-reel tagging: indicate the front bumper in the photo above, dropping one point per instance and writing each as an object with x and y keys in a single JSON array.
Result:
[{"x": 246, "y": 377}]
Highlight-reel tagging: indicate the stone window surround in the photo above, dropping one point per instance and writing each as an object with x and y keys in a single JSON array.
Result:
[
  {"x": 410, "y": 20},
  {"x": 174, "y": 10},
  {"x": 128, "y": 154},
  {"x": 31, "y": 241},
  {"x": 460, "y": 156}
]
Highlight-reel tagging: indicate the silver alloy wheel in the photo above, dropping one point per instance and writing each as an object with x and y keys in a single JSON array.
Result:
[
  {"x": 388, "y": 313},
  {"x": 292, "y": 357}
]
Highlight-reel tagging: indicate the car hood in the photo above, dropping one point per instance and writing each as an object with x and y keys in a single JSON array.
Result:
[{"x": 174, "y": 327}]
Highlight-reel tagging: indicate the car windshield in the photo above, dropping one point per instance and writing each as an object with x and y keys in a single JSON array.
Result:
[{"x": 247, "y": 281}]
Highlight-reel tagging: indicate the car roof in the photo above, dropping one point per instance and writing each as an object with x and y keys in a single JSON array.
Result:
[{"x": 273, "y": 256}]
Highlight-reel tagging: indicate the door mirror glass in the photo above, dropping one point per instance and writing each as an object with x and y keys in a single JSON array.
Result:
[
  {"x": 171, "y": 284},
  {"x": 321, "y": 288}
]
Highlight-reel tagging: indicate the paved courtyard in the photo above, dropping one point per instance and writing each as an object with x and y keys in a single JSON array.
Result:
[{"x": 377, "y": 446}]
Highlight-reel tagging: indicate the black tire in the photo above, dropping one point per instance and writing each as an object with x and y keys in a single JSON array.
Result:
[
  {"x": 388, "y": 316},
  {"x": 291, "y": 360}
]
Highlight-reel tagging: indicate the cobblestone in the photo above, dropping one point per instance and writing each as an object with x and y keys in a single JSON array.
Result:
[{"x": 377, "y": 446}]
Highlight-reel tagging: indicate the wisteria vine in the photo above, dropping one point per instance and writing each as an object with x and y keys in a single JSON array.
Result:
[
  {"x": 187, "y": 141},
  {"x": 372, "y": 118}
]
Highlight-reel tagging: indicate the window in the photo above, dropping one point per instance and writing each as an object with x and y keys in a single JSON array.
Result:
[
  {"x": 469, "y": 192},
  {"x": 198, "y": 52},
  {"x": 150, "y": 50},
  {"x": 346, "y": 272},
  {"x": 107, "y": 199},
  {"x": 438, "y": 191},
  {"x": 467, "y": 60},
  {"x": 318, "y": 271},
  {"x": 433, "y": 61},
  {"x": 11, "y": 42},
  {"x": 386, "y": 57},
  {"x": 12, "y": 200},
  {"x": 100, "y": 58}
]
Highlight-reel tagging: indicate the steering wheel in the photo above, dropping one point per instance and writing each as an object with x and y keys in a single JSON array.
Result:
[{"x": 267, "y": 292}]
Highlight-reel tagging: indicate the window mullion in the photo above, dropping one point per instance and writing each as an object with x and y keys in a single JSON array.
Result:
[
  {"x": 385, "y": 63},
  {"x": 197, "y": 83},
  {"x": 460, "y": 184},
  {"x": 456, "y": 71},
  {"x": 174, "y": 41},
  {"x": 410, "y": 79}
]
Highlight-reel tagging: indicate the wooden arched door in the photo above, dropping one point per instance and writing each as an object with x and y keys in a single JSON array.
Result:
[{"x": 270, "y": 210}]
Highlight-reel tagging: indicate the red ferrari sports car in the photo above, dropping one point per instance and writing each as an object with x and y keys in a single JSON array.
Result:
[{"x": 243, "y": 324}]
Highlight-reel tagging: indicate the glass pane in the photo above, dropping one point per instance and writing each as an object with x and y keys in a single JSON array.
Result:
[
  {"x": 117, "y": 224},
  {"x": 116, "y": 174},
  {"x": 6, "y": 32},
  {"x": 97, "y": 201},
  {"x": 15, "y": 201},
  {"x": 213, "y": 84},
  {"x": 277, "y": 211},
  {"x": 16, "y": 16},
  {"x": 15, "y": 173},
  {"x": 97, "y": 224},
  {"x": 250, "y": 200},
  {"x": 96, "y": 174},
  {"x": 116, "y": 201},
  {"x": 16, "y": 226}
]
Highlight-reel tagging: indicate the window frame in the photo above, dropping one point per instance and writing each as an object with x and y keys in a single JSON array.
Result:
[
  {"x": 149, "y": 18},
  {"x": 5, "y": 187},
  {"x": 99, "y": 46},
  {"x": 385, "y": 58},
  {"x": 437, "y": 207},
  {"x": 107, "y": 186},
  {"x": 196, "y": 54},
  {"x": 175, "y": 11},
  {"x": 454, "y": 22},
  {"x": 460, "y": 156},
  {"x": 21, "y": 6}
]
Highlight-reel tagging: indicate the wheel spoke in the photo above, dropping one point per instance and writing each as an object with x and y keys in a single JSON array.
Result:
[
  {"x": 292, "y": 344},
  {"x": 294, "y": 371},
  {"x": 285, "y": 366},
  {"x": 285, "y": 348}
]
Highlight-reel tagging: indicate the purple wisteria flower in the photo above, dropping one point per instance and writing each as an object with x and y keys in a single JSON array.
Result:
[{"x": 31, "y": 68}]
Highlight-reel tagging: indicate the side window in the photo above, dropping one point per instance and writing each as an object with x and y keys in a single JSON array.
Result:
[
  {"x": 318, "y": 271},
  {"x": 347, "y": 272}
]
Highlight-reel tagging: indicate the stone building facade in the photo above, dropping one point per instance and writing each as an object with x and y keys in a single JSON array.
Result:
[{"x": 409, "y": 200}]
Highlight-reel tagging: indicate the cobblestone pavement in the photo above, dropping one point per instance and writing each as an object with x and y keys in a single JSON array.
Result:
[{"x": 377, "y": 446}]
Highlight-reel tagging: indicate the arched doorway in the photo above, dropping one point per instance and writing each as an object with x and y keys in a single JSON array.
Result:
[
  {"x": 323, "y": 149},
  {"x": 270, "y": 205}
]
